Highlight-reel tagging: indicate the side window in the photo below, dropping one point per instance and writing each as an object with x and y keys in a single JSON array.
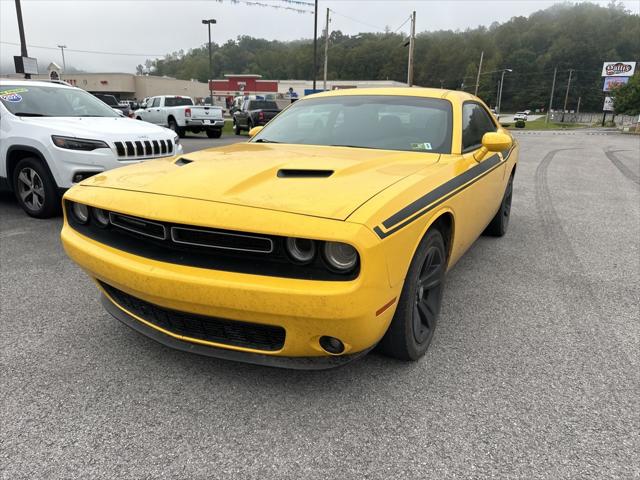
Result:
[
  {"x": 156, "y": 102},
  {"x": 475, "y": 123}
]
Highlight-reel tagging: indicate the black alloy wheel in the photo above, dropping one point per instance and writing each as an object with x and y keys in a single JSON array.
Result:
[{"x": 414, "y": 322}]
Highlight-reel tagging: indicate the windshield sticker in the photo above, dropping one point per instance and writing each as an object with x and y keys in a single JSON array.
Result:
[
  {"x": 421, "y": 146},
  {"x": 11, "y": 97},
  {"x": 12, "y": 90}
]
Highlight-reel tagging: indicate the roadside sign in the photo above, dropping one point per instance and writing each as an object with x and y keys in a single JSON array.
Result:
[
  {"x": 618, "y": 69},
  {"x": 608, "y": 104},
  {"x": 611, "y": 83},
  {"x": 26, "y": 65}
]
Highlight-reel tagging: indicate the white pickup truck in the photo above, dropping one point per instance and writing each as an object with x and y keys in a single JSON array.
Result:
[{"x": 181, "y": 115}]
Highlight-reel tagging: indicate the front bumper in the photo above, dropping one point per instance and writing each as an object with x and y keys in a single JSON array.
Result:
[{"x": 305, "y": 309}]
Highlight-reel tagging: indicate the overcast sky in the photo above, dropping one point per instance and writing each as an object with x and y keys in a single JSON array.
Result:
[{"x": 156, "y": 27}]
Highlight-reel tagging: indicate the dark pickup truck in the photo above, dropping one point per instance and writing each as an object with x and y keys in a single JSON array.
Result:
[
  {"x": 254, "y": 113},
  {"x": 113, "y": 103}
]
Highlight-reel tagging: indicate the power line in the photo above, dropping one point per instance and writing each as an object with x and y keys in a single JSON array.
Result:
[
  {"x": 356, "y": 20},
  {"x": 403, "y": 24},
  {"x": 91, "y": 51}
]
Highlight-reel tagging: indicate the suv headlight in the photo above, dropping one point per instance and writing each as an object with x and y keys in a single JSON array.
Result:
[
  {"x": 77, "y": 143},
  {"x": 176, "y": 140}
]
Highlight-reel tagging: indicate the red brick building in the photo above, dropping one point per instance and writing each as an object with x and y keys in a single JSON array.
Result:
[{"x": 243, "y": 84}]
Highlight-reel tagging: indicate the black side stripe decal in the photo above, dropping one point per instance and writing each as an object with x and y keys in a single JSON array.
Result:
[{"x": 441, "y": 193}]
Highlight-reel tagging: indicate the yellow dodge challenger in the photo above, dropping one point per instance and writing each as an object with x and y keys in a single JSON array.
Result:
[{"x": 329, "y": 232}]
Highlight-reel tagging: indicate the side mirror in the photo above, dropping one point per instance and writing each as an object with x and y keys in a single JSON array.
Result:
[
  {"x": 254, "y": 131},
  {"x": 496, "y": 141},
  {"x": 143, "y": 105}
]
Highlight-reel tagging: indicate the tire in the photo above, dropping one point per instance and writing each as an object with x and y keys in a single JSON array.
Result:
[
  {"x": 411, "y": 330},
  {"x": 236, "y": 128},
  {"x": 35, "y": 189},
  {"x": 499, "y": 224},
  {"x": 214, "y": 133},
  {"x": 174, "y": 126},
  {"x": 138, "y": 118}
]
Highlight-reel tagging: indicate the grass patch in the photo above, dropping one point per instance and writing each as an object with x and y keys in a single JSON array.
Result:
[{"x": 540, "y": 124}]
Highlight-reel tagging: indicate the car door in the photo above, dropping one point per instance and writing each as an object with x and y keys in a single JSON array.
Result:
[
  {"x": 479, "y": 202},
  {"x": 242, "y": 115},
  {"x": 152, "y": 113}
]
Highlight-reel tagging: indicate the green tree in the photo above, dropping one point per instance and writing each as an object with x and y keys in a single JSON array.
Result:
[{"x": 627, "y": 97}]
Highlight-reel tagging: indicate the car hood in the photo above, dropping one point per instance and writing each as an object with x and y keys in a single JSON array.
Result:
[
  {"x": 98, "y": 127},
  {"x": 328, "y": 182}
]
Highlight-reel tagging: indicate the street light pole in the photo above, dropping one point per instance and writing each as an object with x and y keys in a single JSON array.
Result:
[
  {"x": 23, "y": 42},
  {"x": 64, "y": 64},
  {"x": 553, "y": 87},
  {"x": 501, "y": 85},
  {"x": 478, "y": 77},
  {"x": 208, "y": 24},
  {"x": 566, "y": 96},
  {"x": 315, "y": 44}
]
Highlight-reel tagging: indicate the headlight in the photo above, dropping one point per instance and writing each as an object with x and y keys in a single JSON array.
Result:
[
  {"x": 340, "y": 256},
  {"x": 77, "y": 143},
  {"x": 301, "y": 250},
  {"x": 101, "y": 217},
  {"x": 176, "y": 140},
  {"x": 80, "y": 212}
]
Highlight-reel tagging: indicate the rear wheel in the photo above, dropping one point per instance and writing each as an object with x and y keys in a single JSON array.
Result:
[
  {"x": 500, "y": 223},
  {"x": 414, "y": 322},
  {"x": 35, "y": 189},
  {"x": 214, "y": 133},
  {"x": 174, "y": 126}
]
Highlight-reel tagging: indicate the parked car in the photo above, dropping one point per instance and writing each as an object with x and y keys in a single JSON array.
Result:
[
  {"x": 254, "y": 113},
  {"x": 53, "y": 136},
  {"x": 112, "y": 101},
  {"x": 520, "y": 116},
  {"x": 311, "y": 243},
  {"x": 181, "y": 115},
  {"x": 132, "y": 104}
]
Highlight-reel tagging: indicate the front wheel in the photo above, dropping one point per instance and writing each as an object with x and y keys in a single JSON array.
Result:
[
  {"x": 174, "y": 126},
  {"x": 414, "y": 322},
  {"x": 214, "y": 133},
  {"x": 500, "y": 223},
  {"x": 35, "y": 189},
  {"x": 236, "y": 128}
]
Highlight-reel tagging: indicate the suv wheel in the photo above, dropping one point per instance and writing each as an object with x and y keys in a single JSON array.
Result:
[{"x": 35, "y": 189}]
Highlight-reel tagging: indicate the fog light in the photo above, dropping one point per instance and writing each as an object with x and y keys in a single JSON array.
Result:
[
  {"x": 101, "y": 217},
  {"x": 331, "y": 345},
  {"x": 80, "y": 212}
]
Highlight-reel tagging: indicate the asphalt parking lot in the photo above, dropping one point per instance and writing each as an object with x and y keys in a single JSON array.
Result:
[{"x": 533, "y": 371}]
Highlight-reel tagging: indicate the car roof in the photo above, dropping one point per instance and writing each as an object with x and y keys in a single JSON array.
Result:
[
  {"x": 35, "y": 83},
  {"x": 399, "y": 92}
]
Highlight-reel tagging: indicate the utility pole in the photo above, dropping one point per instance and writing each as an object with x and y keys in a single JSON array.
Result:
[
  {"x": 326, "y": 50},
  {"x": 442, "y": 84},
  {"x": 553, "y": 87},
  {"x": 412, "y": 42},
  {"x": 499, "y": 109},
  {"x": 23, "y": 42},
  {"x": 315, "y": 44},
  {"x": 578, "y": 108},
  {"x": 64, "y": 64},
  {"x": 208, "y": 24},
  {"x": 566, "y": 96},
  {"x": 478, "y": 77}
]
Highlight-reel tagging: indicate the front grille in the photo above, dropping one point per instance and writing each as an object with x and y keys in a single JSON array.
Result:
[
  {"x": 128, "y": 150},
  {"x": 203, "y": 247},
  {"x": 200, "y": 327}
]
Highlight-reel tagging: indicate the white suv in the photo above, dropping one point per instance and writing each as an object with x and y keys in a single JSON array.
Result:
[{"x": 54, "y": 135}]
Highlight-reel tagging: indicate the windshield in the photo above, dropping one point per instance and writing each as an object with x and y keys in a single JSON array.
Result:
[
  {"x": 177, "y": 101},
  {"x": 41, "y": 101},
  {"x": 262, "y": 105},
  {"x": 365, "y": 121}
]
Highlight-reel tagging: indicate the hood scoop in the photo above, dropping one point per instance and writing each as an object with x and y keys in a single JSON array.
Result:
[
  {"x": 181, "y": 162},
  {"x": 303, "y": 173}
]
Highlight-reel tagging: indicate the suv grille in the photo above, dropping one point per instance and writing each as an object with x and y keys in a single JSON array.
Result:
[
  {"x": 211, "y": 329},
  {"x": 128, "y": 150}
]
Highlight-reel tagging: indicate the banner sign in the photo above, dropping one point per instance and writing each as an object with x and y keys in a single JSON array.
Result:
[
  {"x": 618, "y": 69},
  {"x": 611, "y": 83},
  {"x": 608, "y": 104}
]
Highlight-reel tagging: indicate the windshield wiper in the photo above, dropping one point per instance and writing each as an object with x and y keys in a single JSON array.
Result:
[
  {"x": 265, "y": 140},
  {"x": 29, "y": 114}
]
